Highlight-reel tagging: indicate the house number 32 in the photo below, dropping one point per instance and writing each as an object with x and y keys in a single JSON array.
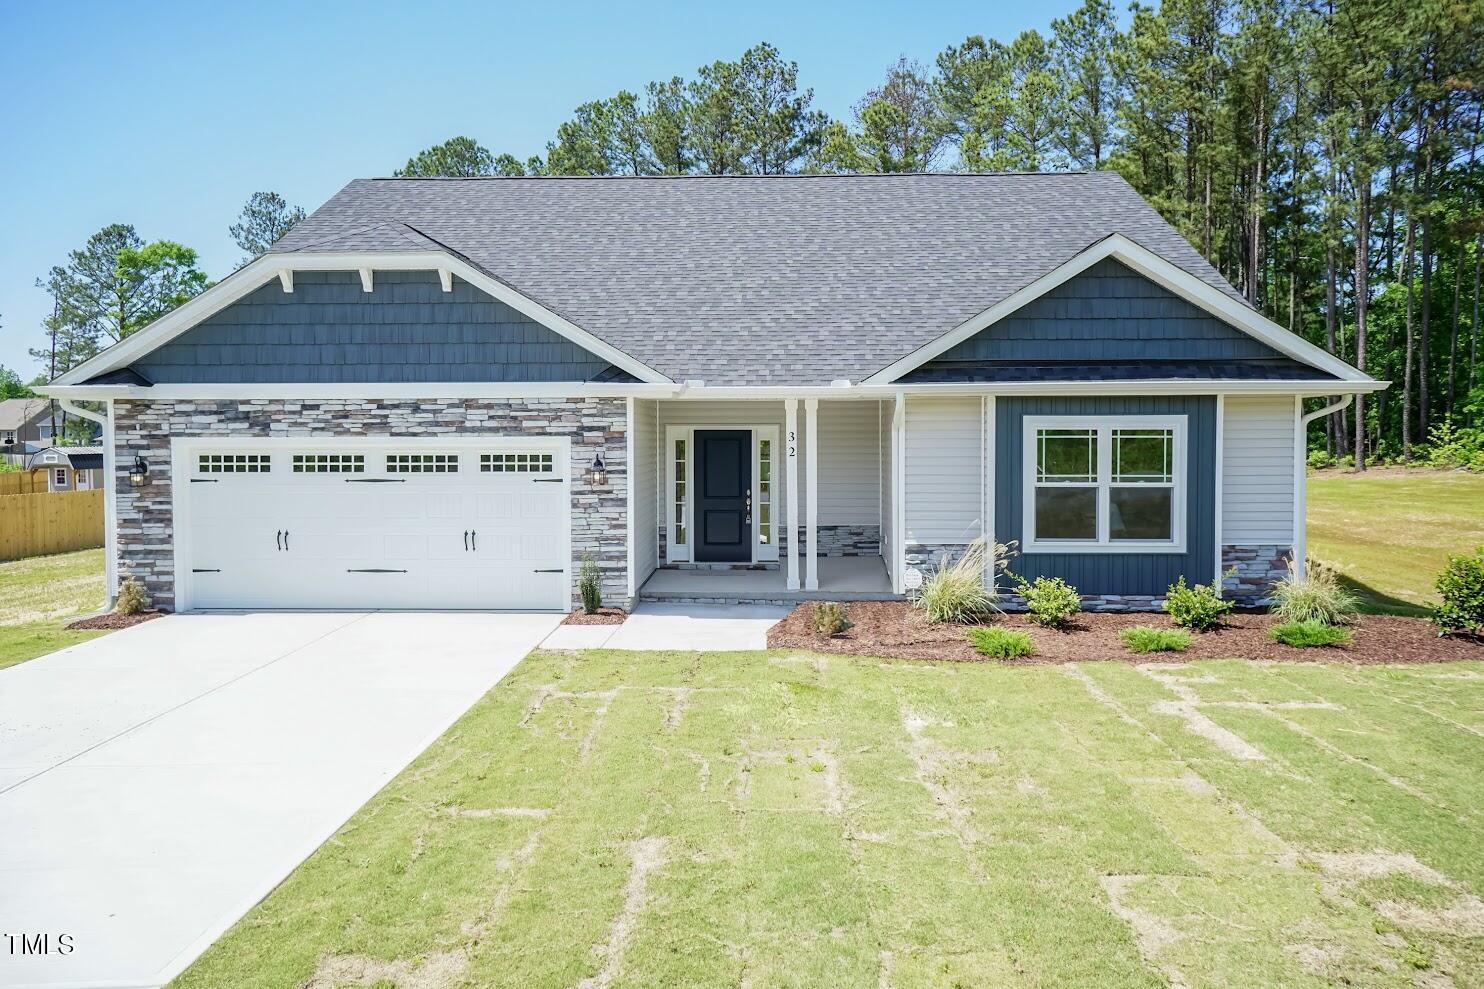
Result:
[{"x": 793, "y": 441}]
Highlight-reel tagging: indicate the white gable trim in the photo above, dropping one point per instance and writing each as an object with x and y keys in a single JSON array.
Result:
[
  {"x": 270, "y": 266},
  {"x": 1157, "y": 270}
]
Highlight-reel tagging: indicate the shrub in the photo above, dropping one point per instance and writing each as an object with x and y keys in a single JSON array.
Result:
[
  {"x": 1316, "y": 597},
  {"x": 1306, "y": 635},
  {"x": 132, "y": 599},
  {"x": 1147, "y": 638},
  {"x": 1051, "y": 601},
  {"x": 1001, "y": 643},
  {"x": 1461, "y": 587},
  {"x": 590, "y": 586},
  {"x": 957, "y": 591},
  {"x": 1451, "y": 447},
  {"x": 1196, "y": 607},
  {"x": 829, "y": 618}
]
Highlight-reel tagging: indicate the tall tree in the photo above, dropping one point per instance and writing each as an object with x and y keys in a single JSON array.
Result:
[
  {"x": 716, "y": 131},
  {"x": 266, "y": 217},
  {"x": 778, "y": 128},
  {"x": 902, "y": 128},
  {"x": 1083, "y": 46},
  {"x": 112, "y": 286},
  {"x": 458, "y": 157}
]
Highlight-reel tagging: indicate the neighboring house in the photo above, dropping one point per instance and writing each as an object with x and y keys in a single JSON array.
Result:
[
  {"x": 24, "y": 423},
  {"x": 448, "y": 393},
  {"x": 69, "y": 468}
]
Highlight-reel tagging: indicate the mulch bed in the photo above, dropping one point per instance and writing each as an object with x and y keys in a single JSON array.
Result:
[
  {"x": 897, "y": 629},
  {"x": 603, "y": 616},
  {"x": 114, "y": 620}
]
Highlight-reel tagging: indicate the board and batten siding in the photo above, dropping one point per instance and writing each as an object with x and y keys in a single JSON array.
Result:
[
  {"x": 1113, "y": 573},
  {"x": 1257, "y": 465},
  {"x": 646, "y": 487},
  {"x": 944, "y": 470}
]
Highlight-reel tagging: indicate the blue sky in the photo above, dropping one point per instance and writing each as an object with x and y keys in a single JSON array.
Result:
[{"x": 168, "y": 116}]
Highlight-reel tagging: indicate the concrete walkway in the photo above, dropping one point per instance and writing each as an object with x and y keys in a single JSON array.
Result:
[
  {"x": 690, "y": 627},
  {"x": 157, "y": 782}
]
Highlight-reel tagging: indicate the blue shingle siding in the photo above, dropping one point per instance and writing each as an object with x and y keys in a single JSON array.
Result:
[
  {"x": 1108, "y": 313},
  {"x": 328, "y": 330},
  {"x": 1113, "y": 573}
]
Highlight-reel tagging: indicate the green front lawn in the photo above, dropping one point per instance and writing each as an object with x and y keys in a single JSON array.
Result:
[
  {"x": 770, "y": 819},
  {"x": 38, "y": 594},
  {"x": 1391, "y": 531}
]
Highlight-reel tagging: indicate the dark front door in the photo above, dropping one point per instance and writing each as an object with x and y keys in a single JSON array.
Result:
[{"x": 723, "y": 507}]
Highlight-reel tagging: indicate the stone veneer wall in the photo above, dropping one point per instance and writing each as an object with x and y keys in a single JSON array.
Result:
[
  {"x": 1258, "y": 569},
  {"x": 146, "y": 535},
  {"x": 832, "y": 540}
]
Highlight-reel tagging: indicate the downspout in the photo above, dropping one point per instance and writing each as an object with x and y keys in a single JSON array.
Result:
[
  {"x": 110, "y": 485},
  {"x": 1301, "y": 480}
]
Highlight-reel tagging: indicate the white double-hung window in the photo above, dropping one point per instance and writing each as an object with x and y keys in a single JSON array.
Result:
[{"x": 1104, "y": 484}]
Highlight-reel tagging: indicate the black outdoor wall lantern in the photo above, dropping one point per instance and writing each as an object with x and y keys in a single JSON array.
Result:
[
  {"x": 139, "y": 473},
  {"x": 598, "y": 476}
]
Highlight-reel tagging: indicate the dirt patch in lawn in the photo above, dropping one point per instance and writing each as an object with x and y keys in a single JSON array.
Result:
[
  {"x": 897, "y": 629},
  {"x": 114, "y": 620},
  {"x": 603, "y": 616}
]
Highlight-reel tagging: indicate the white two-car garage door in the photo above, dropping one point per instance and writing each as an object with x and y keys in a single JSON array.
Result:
[{"x": 351, "y": 524}]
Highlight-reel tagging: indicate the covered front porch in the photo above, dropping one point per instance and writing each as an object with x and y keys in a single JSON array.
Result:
[
  {"x": 841, "y": 578},
  {"x": 777, "y": 500}
]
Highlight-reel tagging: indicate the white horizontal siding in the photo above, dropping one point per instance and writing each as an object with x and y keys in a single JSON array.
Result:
[
  {"x": 945, "y": 469},
  {"x": 1257, "y": 466},
  {"x": 849, "y": 472}
]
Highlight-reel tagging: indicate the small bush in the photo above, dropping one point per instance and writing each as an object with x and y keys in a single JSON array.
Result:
[
  {"x": 590, "y": 586},
  {"x": 1196, "y": 607},
  {"x": 1316, "y": 597},
  {"x": 1307, "y": 635},
  {"x": 1001, "y": 643},
  {"x": 1051, "y": 601},
  {"x": 829, "y": 618},
  {"x": 1461, "y": 587},
  {"x": 958, "y": 591},
  {"x": 132, "y": 599},
  {"x": 1147, "y": 638}
]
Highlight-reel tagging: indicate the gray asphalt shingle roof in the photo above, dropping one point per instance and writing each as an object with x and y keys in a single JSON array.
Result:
[{"x": 756, "y": 280}]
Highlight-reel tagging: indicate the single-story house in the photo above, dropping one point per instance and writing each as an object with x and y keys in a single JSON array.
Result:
[
  {"x": 69, "y": 468},
  {"x": 450, "y": 393},
  {"x": 24, "y": 423}
]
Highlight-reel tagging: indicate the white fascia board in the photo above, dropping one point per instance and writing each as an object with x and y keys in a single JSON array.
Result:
[
  {"x": 1156, "y": 269},
  {"x": 675, "y": 392},
  {"x": 253, "y": 276},
  {"x": 367, "y": 390}
]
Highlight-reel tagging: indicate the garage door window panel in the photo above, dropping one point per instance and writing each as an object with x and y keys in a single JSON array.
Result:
[
  {"x": 422, "y": 463},
  {"x": 234, "y": 463}
]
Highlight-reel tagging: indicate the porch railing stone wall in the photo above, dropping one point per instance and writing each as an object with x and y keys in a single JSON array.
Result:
[{"x": 146, "y": 526}]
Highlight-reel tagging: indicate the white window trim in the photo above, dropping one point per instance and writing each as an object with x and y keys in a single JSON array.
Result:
[
  {"x": 59, "y": 477},
  {"x": 761, "y": 553},
  {"x": 1104, "y": 426}
]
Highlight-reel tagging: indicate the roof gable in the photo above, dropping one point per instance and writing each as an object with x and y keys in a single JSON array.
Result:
[
  {"x": 1182, "y": 319},
  {"x": 329, "y": 330}
]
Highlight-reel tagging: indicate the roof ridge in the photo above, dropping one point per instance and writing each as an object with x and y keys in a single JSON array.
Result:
[{"x": 789, "y": 175}]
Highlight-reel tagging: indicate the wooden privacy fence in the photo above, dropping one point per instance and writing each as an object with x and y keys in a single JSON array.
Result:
[
  {"x": 37, "y": 524},
  {"x": 22, "y": 482}
]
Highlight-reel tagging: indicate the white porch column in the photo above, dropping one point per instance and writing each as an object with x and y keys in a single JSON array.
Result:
[
  {"x": 811, "y": 494},
  {"x": 791, "y": 469}
]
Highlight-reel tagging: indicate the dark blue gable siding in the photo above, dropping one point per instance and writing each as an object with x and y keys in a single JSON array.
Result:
[
  {"x": 1109, "y": 313},
  {"x": 1113, "y": 573},
  {"x": 328, "y": 330}
]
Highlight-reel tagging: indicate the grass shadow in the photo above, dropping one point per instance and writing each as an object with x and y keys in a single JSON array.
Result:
[{"x": 1374, "y": 602}]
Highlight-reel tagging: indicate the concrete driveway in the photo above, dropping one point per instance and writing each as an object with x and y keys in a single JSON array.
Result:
[{"x": 157, "y": 782}]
